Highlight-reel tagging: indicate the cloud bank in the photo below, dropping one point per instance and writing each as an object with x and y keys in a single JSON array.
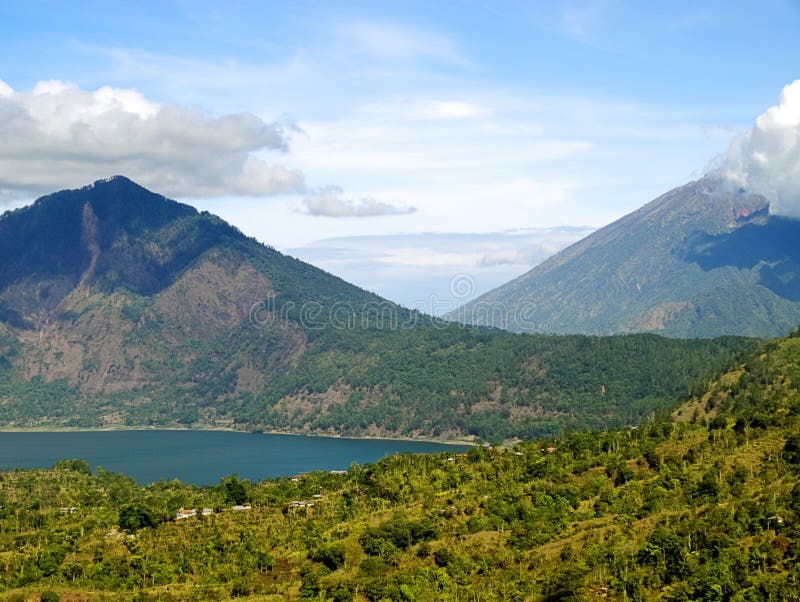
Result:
[
  {"x": 766, "y": 158},
  {"x": 328, "y": 202},
  {"x": 417, "y": 270},
  {"x": 59, "y": 136}
]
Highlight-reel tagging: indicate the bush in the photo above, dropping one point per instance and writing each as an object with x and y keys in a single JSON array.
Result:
[
  {"x": 342, "y": 594},
  {"x": 791, "y": 451},
  {"x": 373, "y": 567},
  {"x": 76, "y": 465},
  {"x": 331, "y": 556},
  {"x": 135, "y": 516},
  {"x": 233, "y": 491},
  {"x": 444, "y": 557},
  {"x": 240, "y": 589}
]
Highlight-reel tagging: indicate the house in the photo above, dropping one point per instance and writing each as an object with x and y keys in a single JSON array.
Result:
[
  {"x": 338, "y": 472},
  {"x": 239, "y": 508},
  {"x": 185, "y": 513},
  {"x": 207, "y": 512}
]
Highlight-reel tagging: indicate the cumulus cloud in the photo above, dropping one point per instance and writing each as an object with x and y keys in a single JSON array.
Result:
[
  {"x": 328, "y": 202},
  {"x": 58, "y": 135},
  {"x": 766, "y": 158}
]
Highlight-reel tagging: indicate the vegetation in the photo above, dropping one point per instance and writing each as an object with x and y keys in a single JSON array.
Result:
[
  {"x": 121, "y": 308},
  {"x": 451, "y": 381},
  {"x": 701, "y": 507},
  {"x": 436, "y": 382}
]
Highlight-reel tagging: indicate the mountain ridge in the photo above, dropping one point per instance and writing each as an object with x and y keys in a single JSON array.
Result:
[
  {"x": 652, "y": 271},
  {"x": 119, "y": 307}
]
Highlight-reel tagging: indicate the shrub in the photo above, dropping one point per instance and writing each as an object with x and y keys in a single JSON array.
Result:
[
  {"x": 136, "y": 516},
  {"x": 791, "y": 451},
  {"x": 331, "y": 556}
]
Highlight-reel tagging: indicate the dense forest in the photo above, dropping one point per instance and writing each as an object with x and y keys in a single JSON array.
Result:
[
  {"x": 703, "y": 506},
  {"x": 450, "y": 381},
  {"x": 441, "y": 382}
]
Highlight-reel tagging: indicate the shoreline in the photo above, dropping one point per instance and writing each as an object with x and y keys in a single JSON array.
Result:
[{"x": 117, "y": 428}]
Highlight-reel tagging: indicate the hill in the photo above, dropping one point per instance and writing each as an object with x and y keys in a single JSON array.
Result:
[
  {"x": 703, "y": 507},
  {"x": 699, "y": 261},
  {"x": 119, "y": 307}
]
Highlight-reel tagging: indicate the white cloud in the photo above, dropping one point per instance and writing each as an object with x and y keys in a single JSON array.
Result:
[
  {"x": 59, "y": 135},
  {"x": 390, "y": 41},
  {"x": 328, "y": 202},
  {"x": 418, "y": 270},
  {"x": 5, "y": 89},
  {"x": 450, "y": 109},
  {"x": 766, "y": 158}
]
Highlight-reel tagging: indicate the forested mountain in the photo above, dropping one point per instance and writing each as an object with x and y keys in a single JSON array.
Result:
[
  {"x": 705, "y": 506},
  {"x": 699, "y": 261},
  {"x": 119, "y": 307}
]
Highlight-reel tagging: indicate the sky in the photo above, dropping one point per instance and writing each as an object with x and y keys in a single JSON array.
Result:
[{"x": 428, "y": 151}]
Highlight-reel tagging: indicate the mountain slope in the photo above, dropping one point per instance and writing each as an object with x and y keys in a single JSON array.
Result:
[
  {"x": 699, "y": 261},
  {"x": 701, "y": 508},
  {"x": 119, "y": 307}
]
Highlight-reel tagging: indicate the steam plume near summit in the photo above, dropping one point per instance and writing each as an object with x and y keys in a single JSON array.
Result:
[{"x": 766, "y": 159}]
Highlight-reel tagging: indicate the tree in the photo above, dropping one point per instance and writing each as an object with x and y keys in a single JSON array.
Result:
[
  {"x": 331, "y": 556},
  {"x": 136, "y": 516},
  {"x": 76, "y": 465},
  {"x": 233, "y": 490},
  {"x": 791, "y": 451}
]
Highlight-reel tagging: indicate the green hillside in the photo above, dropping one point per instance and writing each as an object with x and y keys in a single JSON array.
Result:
[
  {"x": 704, "y": 507},
  {"x": 119, "y": 307},
  {"x": 699, "y": 261}
]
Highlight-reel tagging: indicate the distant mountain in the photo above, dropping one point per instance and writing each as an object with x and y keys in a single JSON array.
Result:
[
  {"x": 119, "y": 307},
  {"x": 699, "y": 261}
]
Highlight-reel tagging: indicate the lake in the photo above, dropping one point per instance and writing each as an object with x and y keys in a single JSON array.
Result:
[{"x": 199, "y": 457}]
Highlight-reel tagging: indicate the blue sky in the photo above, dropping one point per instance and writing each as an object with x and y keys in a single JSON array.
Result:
[{"x": 458, "y": 137}]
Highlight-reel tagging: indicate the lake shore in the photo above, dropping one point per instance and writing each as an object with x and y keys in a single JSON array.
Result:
[{"x": 113, "y": 428}]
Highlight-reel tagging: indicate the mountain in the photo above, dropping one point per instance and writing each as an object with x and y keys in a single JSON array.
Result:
[
  {"x": 119, "y": 307},
  {"x": 703, "y": 506},
  {"x": 699, "y": 261}
]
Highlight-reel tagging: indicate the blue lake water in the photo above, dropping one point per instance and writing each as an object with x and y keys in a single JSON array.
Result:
[{"x": 199, "y": 457}]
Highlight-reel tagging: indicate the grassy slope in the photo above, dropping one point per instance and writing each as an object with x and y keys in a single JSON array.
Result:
[{"x": 687, "y": 510}]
